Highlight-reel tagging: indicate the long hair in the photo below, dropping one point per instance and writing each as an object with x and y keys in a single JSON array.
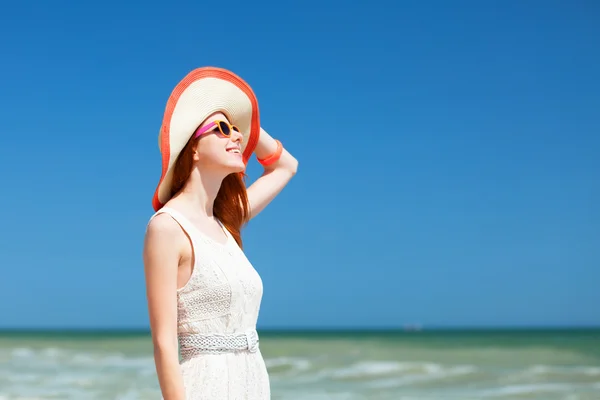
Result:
[{"x": 231, "y": 204}]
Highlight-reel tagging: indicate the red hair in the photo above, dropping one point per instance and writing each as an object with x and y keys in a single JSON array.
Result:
[{"x": 231, "y": 204}]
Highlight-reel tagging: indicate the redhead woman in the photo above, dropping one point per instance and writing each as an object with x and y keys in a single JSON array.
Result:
[{"x": 203, "y": 293}]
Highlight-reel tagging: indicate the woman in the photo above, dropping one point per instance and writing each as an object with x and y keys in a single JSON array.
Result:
[{"x": 203, "y": 294}]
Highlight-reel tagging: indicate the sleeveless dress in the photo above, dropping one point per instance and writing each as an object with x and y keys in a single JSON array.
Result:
[{"x": 222, "y": 297}]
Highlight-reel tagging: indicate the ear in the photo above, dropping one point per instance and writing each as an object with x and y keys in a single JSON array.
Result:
[{"x": 195, "y": 154}]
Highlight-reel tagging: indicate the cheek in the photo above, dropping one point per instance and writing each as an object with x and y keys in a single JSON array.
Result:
[{"x": 211, "y": 151}]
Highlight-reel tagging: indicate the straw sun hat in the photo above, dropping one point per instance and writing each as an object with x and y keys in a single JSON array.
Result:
[{"x": 201, "y": 93}]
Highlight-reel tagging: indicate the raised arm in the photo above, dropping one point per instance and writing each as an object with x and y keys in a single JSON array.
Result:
[
  {"x": 162, "y": 249},
  {"x": 275, "y": 176}
]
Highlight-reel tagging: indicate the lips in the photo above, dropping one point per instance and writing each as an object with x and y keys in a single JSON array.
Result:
[{"x": 234, "y": 150}]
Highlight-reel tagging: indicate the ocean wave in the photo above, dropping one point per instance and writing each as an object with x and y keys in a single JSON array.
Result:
[
  {"x": 540, "y": 373},
  {"x": 78, "y": 358},
  {"x": 409, "y": 379},
  {"x": 566, "y": 370},
  {"x": 22, "y": 352},
  {"x": 286, "y": 363},
  {"x": 121, "y": 372},
  {"x": 537, "y": 388},
  {"x": 409, "y": 370}
]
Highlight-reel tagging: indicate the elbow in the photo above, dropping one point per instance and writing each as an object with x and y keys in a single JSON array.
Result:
[
  {"x": 291, "y": 165},
  {"x": 165, "y": 345},
  {"x": 293, "y": 168},
  {"x": 287, "y": 165}
]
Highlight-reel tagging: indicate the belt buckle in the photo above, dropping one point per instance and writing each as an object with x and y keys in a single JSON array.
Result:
[{"x": 252, "y": 340}]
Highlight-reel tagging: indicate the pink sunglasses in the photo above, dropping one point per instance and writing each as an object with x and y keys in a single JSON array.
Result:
[{"x": 225, "y": 128}]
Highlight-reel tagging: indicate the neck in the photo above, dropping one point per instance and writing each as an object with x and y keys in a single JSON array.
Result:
[{"x": 200, "y": 191}]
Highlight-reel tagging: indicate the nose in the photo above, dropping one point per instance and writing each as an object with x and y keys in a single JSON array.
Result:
[{"x": 237, "y": 137}]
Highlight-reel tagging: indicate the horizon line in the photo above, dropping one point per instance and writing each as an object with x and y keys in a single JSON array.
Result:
[{"x": 409, "y": 328}]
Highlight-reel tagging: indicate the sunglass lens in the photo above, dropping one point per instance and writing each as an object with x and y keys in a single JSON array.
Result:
[{"x": 224, "y": 128}]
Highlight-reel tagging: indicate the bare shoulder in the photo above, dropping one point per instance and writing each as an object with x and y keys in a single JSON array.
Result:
[
  {"x": 164, "y": 238},
  {"x": 162, "y": 226}
]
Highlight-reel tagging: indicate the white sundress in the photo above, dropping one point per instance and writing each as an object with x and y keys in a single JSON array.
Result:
[{"x": 222, "y": 297}]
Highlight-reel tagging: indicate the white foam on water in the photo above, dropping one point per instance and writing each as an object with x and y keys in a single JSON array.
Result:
[
  {"x": 537, "y": 388},
  {"x": 26, "y": 398},
  {"x": 21, "y": 377},
  {"x": 407, "y": 370},
  {"x": 122, "y": 361},
  {"x": 551, "y": 369},
  {"x": 367, "y": 368},
  {"x": 432, "y": 375},
  {"x": 84, "y": 359},
  {"x": 300, "y": 364},
  {"x": 592, "y": 371},
  {"x": 81, "y": 358},
  {"x": 22, "y": 352},
  {"x": 51, "y": 352},
  {"x": 73, "y": 379},
  {"x": 62, "y": 373},
  {"x": 319, "y": 395},
  {"x": 381, "y": 375}
]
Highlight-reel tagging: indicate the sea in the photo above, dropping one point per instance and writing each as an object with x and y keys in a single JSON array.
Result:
[{"x": 322, "y": 365}]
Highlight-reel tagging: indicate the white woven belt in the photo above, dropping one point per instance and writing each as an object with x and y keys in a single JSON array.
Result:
[{"x": 191, "y": 344}]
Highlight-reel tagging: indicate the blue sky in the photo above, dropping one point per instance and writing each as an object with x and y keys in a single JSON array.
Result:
[{"x": 449, "y": 171}]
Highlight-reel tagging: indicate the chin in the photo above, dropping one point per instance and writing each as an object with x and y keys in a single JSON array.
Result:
[
  {"x": 235, "y": 167},
  {"x": 229, "y": 164}
]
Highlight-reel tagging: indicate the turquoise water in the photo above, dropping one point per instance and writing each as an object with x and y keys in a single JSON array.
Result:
[{"x": 424, "y": 365}]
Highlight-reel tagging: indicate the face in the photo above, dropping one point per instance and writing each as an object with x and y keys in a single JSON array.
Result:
[{"x": 217, "y": 152}]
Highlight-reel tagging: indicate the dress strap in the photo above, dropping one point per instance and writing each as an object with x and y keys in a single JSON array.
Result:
[{"x": 185, "y": 224}]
